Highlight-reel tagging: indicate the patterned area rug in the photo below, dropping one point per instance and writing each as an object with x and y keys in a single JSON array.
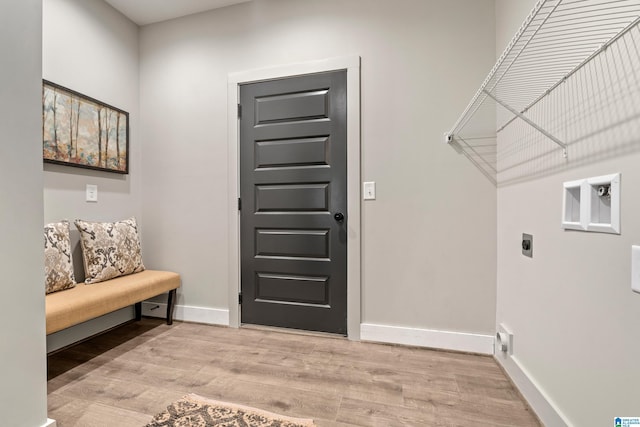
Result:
[{"x": 195, "y": 411}]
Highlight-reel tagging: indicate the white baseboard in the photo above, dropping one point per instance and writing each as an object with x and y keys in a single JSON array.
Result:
[
  {"x": 445, "y": 340},
  {"x": 50, "y": 423},
  {"x": 210, "y": 316},
  {"x": 531, "y": 391}
]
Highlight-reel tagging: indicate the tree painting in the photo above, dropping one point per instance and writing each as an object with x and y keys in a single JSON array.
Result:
[{"x": 83, "y": 132}]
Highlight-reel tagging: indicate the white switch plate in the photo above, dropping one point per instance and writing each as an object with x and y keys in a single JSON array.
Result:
[
  {"x": 92, "y": 193},
  {"x": 635, "y": 268},
  {"x": 369, "y": 190}
]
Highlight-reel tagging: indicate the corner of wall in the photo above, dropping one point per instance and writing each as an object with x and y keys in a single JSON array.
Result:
[{"x": 532, "y": 392}]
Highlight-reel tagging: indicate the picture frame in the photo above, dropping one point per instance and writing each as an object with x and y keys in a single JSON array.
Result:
[{"x": 81, "y": 131}]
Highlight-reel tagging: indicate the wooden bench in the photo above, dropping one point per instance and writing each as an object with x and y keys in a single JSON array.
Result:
[{"x": 85, "y": 302}]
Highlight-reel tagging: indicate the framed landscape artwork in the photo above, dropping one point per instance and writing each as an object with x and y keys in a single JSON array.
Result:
[{"x": 83, "y": 132}]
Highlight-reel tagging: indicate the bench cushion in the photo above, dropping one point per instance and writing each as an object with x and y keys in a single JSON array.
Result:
[{"x": 84, "y": 302}]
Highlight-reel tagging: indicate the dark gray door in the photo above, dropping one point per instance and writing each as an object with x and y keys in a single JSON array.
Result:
[{"x": 293, "y": 202}]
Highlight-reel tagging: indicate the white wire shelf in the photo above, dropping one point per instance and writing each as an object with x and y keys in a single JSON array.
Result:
[{"x": 571, "y": 58}]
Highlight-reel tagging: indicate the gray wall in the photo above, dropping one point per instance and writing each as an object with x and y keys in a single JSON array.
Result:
[
  {"x": 428, "y": 241},
  {"x": 23, "y": 398},
  {"x": 575, "y": 319},
  {"x": 91, "y": 48}
]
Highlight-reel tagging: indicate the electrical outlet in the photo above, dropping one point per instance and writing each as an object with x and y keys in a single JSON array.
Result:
[{"x": 504, "y": 340}]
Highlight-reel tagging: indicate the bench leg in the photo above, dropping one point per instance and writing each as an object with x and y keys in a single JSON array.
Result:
[
  {"x": 171, "y": 302},
  {"x": 138, "y": 307}
]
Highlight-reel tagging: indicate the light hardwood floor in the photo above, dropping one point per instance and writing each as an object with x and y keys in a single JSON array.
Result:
[{"x": 124, "y": 377}]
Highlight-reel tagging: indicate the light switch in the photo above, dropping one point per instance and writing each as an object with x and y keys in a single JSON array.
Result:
[
  {"x": 369, "y": 190},
  {"x": 635, "y": 268},
  {"x": 92, "y": 193}
]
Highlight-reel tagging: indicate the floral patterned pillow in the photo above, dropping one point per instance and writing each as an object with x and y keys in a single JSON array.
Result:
[
  {"x": 58, "y": 265},
  {"x": 110, "y": 249}
]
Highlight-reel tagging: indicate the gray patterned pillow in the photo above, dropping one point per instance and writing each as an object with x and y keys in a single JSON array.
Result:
[
  {"x": 110, "y": 249},
  {"x": 58, "y": 265}
]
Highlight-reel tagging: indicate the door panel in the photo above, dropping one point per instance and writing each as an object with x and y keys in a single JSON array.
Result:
[
  {"x": 290, "y": 107},
  {"x": 292, "y": 289},
  {"x": 309, "y": 152},
  {"x": 292, "y": 197},
  {"x": 293, "y": 243},
  {"x": 292, "y": 183}
]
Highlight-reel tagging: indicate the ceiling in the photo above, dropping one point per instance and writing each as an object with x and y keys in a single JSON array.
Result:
[{"x": 144, "y": 12}]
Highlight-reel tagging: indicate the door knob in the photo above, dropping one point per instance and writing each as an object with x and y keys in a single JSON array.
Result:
[{"x": 339, "y": 216}]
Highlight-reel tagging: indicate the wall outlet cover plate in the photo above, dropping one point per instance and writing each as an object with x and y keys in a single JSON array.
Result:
[{"x": 502, "y": 329}]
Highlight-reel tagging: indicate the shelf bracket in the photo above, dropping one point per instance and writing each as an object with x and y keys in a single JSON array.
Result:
[{"x": 529, "y": 122}]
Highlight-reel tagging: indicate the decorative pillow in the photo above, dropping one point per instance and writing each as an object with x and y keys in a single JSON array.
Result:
[
  {"x": 109, "y": 249},
  {"x": 58, "y": 265}
]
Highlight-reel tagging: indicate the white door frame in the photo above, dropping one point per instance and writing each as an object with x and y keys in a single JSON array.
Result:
[{"x": 352, "y": 65}]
